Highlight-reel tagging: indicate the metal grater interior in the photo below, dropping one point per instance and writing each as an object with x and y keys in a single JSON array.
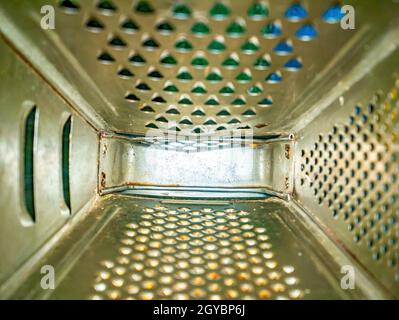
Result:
[{"x": 214, "y": 149}]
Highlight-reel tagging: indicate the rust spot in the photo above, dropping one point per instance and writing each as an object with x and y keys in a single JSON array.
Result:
[
  {"x": 287, "y": 183},
  {"x": 103, "y": 177},
  {"x": 253, "y": 145},
  {"x": 288, "y": 151},
  {"x": 261, "y": 125}
]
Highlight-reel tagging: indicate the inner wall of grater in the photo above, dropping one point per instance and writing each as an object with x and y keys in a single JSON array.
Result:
[
  {"x": 352, "y": 173},
  {"x": 200, "y": 67}
]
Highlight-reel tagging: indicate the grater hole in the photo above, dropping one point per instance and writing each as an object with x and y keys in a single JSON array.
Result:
[
  {"x": 236, "y": 28},
  {"x": 165, "y": 27},
  {"x": 144, "y": 7},
  {"x": 106, "y": 7},
  {"x": 219, "y": 11},
  {"x": 332, "y": 14},
  {"x": 137, "y": 60},
  {"x": 105, "y": 58},
  {"x": 95, "y": 25},
  {"x": 272, "y": 29},
  {"x": 200, "y": 29},
  {"x": 125, "y": 73},
  {"x": 181, "y": 11},
  {"x": 117, "y": 43},
  {"x": 258, "y": 11},
  {"x": 129, "y": 26},
  {"x": 69, "y": 6},
  {"x": 296, "y": 12}
]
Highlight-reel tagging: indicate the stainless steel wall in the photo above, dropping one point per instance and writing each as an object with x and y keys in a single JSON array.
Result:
[
  {"x": 255, "y": 164},
  {"x": 20, "y": 235},
  {"x": 346, "y": 164}
]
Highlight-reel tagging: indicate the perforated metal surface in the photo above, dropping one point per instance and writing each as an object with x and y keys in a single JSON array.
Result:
[
  {"x": 150, "y": 250},
  {"x": 200, "y": 66},
  {"x": 186, "y": 253},
  {"x": 353, "y": 170}
]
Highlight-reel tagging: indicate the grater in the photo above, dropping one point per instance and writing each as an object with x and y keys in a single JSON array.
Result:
[{"x": 214, "y": 149}]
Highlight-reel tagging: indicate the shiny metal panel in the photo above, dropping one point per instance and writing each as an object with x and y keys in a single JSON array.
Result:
[
  {"x": 347, "y": 171},
  {"x": 118, "y": 67},
  {"x": 231, "y": 164},
  {"x": 20, "y": 235},
  {"x": 83, "y": 164},
  {"x": 147, "y": 249}
]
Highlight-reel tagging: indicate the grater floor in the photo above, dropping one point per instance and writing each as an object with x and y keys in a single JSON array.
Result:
[{"x": 154, "y": 250}]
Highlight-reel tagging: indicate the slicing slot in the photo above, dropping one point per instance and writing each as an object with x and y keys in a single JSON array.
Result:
[
  {"x": 29, "y": 143},
  {"x": 66, "y": 143}
]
